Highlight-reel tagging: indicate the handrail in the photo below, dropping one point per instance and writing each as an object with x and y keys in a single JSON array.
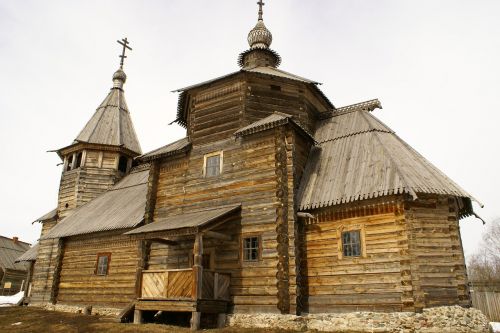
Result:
[{"x": 166, "y": 270}]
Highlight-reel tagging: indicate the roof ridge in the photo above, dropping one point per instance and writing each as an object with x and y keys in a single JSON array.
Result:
[{"x": 355, "y": 133}]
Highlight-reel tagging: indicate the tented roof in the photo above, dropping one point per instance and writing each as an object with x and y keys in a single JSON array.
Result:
[
  {"x": 358, "y": 157},
  {"x": 111, "y": 124}
]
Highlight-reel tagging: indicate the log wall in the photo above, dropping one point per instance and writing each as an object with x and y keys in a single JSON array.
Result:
[
  {"x": 373, "y": 281},
  {"x": 79, "y": 284},
  {"x": 44, "y": 271},
  {"x": 437, "y": 263},
  {"x": 248, "y": 177},
  {"x": 96, "y": 175},
  {"x": 411, "y": 257},
  {"x": 215, "y": 112}
]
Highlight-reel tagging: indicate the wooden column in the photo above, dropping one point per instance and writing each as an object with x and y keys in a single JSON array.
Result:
[
  {"x": 65, "y": 167},
  {"x": 84, "y": 157},
  {"x": 197, "y": 279},
  {"x": 73, "y": 162},
  {"x": 137, "y": 316}
]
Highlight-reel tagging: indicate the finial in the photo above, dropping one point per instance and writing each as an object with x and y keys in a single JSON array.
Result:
[
  {"x": 260, "y": 3},
  {"x": 119, "y": 77},
  {"x": 124, "y": 42},
  {"x": 260, "y": 37}
]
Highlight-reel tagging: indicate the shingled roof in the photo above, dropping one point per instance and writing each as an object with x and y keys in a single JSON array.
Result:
[
  {"x": 123, "y": 206},
  {"x": 111, "y": 124},
  {"x": 271, "y": 121},
  {"x": 29, "y": 255},
  {"x": 10, "y": 250},
  {"x": 173, "y": 148},
  {"x": 358, "y": 157}
]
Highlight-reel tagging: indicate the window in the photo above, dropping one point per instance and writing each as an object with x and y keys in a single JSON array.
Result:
[
  {"x": 122, "y": 164},
  {"x": 351, "y": 243},
  {"x": 275, "y": 87},
  {"x": 78, "y": 160},
  {"x": 251, "y": 248},
  {"x": 70, "y": 163},
  {"x": 102, "y": 266},
  {"x": 213, "y": 164}
]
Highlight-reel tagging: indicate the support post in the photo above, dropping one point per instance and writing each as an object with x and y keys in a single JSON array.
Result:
[
  {"x": 197, "y": 281},
  {"x": 137, "y": 316}
]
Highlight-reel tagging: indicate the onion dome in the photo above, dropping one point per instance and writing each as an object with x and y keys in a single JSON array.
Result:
[
  {"x": 119, "y": 78},
  {"x": 260, "y": 37}
]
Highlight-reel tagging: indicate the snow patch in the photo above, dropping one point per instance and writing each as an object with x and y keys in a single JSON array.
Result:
[
  {"x": 495, "y": 327},
  {"x": 11, "y": 300}
]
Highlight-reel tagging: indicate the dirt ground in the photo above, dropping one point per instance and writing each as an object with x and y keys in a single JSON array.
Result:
[{"x": 29, "y": 319}]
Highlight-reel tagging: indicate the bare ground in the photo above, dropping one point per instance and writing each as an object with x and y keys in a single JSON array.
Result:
[{"x": 29, "y": 319}]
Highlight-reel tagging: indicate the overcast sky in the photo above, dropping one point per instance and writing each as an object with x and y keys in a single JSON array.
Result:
[{"x": 434, "y": 65}]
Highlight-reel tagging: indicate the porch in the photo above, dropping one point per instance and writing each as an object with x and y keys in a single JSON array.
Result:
[
  {"x": 175, "y": 291},
  {"x": 196, "y": 289}
]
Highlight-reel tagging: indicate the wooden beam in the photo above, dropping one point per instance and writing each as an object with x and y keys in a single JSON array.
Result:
[
  {"x": 217, "y": 235},
  {"x": 197, "y": 266},
  {"x": 164, "y": 241}
]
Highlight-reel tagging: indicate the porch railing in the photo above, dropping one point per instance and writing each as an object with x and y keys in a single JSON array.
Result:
[{"x": 179, "y": 284}]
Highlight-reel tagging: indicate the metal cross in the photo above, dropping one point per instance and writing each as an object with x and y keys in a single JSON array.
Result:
[
  {"x": 124, "y": 42},
  {"x": 260, "y": 3}
]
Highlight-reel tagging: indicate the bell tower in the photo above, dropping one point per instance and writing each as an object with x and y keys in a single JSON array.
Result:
[{"x": 103, "y": 151}]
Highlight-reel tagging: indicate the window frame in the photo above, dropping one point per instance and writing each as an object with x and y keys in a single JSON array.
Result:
[
  {"x": 99, "y": 255},
  {"x": 340, "y": 245},
  {"x": 352, "y": 243},
  {"x": 259, "y": 248},
  {"x": 221, "y": 163}
]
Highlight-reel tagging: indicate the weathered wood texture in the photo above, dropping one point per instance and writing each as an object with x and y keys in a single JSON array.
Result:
[
  {"x": 16, "y": 278},
  {"x": 265, "y": 96},
  {"x": 79, "y": 283},
  {"x": 215, "y": 112},
  {"x": 411, "y": 257},
  {"x": 486, "y": 297},
  {"x": 436, "y": 255},
  {"x": 44, "y": 270},
  {"x": 373, "y": 281},
  {"x": 248, "y": 177},
  {"x": 298, "y": 148},
  {"x": 96, "y": 175},
  {"x": 172, "y": 284}
]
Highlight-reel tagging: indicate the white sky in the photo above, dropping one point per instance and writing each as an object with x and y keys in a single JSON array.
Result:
[{"x": 433, "y": 64}]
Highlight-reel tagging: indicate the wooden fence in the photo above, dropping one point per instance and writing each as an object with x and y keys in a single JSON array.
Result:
[{"x": 486, "y": 297}]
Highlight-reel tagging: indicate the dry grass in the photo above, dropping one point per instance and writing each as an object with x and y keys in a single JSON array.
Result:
[{"x": 29, "y": 319}]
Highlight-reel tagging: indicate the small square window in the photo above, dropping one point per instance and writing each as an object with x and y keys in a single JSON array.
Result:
[
  {"x": 213, "y": 165},
  {"x": 103, "y": 260},
  {"x": 251, "y": 249},
  {"x": 351, "y": 243}
]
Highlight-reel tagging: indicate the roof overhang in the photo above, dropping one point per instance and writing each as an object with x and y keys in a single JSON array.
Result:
[
  {"x": 77, "y": 145},
  {"x": 186, "y": 224}
]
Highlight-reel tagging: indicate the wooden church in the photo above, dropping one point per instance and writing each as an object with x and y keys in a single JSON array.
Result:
[{"x": 276, "y": 201}]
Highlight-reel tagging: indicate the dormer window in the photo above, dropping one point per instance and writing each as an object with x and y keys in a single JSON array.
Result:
[{"x": 212, "y": 164}]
